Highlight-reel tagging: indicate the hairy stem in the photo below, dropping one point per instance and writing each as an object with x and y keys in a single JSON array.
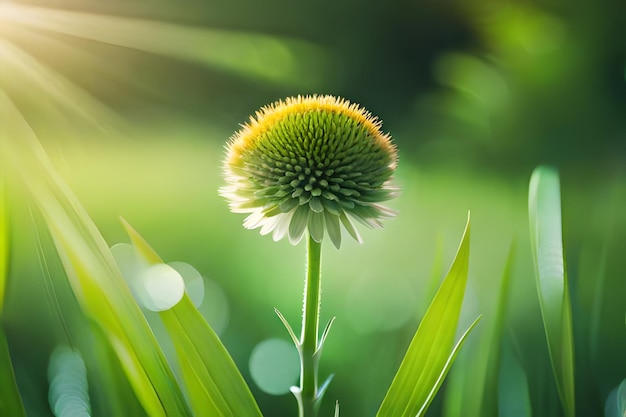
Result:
[{"x": 310, "y": 330}]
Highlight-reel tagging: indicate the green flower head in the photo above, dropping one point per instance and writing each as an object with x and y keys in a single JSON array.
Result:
[{"x": 310, "y": 163}]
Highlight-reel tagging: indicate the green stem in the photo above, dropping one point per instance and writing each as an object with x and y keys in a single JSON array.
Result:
[{"x": 310, "y": 329}]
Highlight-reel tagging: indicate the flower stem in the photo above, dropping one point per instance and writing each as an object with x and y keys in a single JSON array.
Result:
[{"x": 310, "y": 328}]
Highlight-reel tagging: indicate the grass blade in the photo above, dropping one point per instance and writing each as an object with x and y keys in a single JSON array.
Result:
[
  {"x": 214, "y": 384},
  {"x": 92, "y": 273},
  {"x": 431, "y": 351},
  {"x": 446, "y": 368},
  {"x": 544, "y": 211},
  {"x": 4, "y": 242},
  {"x": 10, "y": 400}
]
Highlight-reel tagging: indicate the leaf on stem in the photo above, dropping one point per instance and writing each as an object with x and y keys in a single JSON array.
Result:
[
  {"x": 544, "y": 212},
  {"x": 288, "y": 327},
  {"x": 432, "y": 350}
]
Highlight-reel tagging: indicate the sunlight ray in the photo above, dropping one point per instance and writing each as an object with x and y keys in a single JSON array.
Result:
[
  {"x": 251, "y": 55},
  {"x": 24, "y": 72}
]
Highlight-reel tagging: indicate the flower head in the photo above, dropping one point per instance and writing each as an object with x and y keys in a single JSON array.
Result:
[{"x": 310, "y": 163}]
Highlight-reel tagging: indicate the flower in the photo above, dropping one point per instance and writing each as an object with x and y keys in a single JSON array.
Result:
[{"x": 310, "y": 163}]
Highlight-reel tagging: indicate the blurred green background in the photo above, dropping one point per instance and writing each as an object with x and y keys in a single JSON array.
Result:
[{"x": 134, "y": 102}]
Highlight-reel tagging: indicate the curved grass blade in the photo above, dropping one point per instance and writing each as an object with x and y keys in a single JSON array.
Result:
[
  {"x": 214, "y": 384},
  {"x": 544, "y": 212},
  {"x": 446, "y": 368},
  {"x": 10, "y": 400},
  {"x": 431, "y": 351},
  {"x": 92, "y": 273}
]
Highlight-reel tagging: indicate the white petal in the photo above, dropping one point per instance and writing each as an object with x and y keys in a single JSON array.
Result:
[
  {"x": 254, "y": 220},
  {"x": 298, "y": 224},
  {"x": 333, "y": 228},
  {"x": 316, "y": 226},
  {"x": 269, "y": 224},
  {"x": 347, "y": 223},
  {"x": 282, "y": 227}
]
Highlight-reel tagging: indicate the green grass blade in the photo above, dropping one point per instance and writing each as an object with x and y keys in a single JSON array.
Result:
[
  {"x": 430, "y": 350},
  {"x": 210, "y": 374},
  {"x": 111, "y": 391},
  {"x": 93, "y": 275},
  {"x": 214, "y": 384},
  {"x": 4, "y": 243},
  {"x": 446, "y": 368},
  {"x": 10, "y": 400},
  {"x": 544, "y": 211}
]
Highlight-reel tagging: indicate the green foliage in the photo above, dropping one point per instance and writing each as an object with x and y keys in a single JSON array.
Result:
[
  {"x": 431, "y": 352},
  {"x": 4, "y": 242},
  {"x": 473, "y": 387},
  {"x": 544, "y": 207},
  {"x": 95, "y": 278},
  {"x": 10, "y": 401},
  {"x": 213, "y": 383}
]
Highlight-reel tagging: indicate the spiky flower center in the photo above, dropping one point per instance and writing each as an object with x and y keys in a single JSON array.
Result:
[{"x": 321, "y": 153}]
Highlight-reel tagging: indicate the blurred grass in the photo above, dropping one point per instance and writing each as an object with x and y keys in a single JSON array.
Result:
[
  {"x": 170, "y": 192},
  {"x": 432, "y": 350},
  {"x": 544, "y": 212},
  {"x": 475, "y": 94}
]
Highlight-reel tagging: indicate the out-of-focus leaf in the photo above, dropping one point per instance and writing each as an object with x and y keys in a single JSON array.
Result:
[
  {"x": 431, "y": 351},
  {"x": 513, "y": 393},
  {"x": 4, "y": 242},
  {"x": 10, "y": 400},
  {"x": 489, "y": 399},
  {"x": 92, "y": 273},
  {"x": 214, "y": 384},
  {"x": 544, "y": 212},
  {"x": 112, "y": 394}
]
